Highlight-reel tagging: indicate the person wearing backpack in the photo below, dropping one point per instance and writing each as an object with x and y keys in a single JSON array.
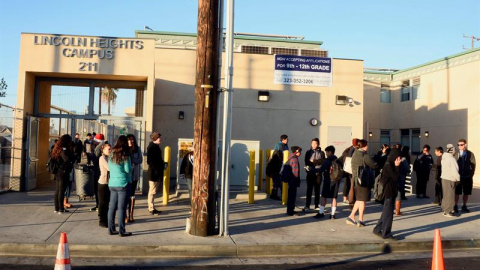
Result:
[
  {"x": 348, "y": 190},
  {"x": 330, "y": 187},
  {"x": 62, "y": 156},
  {"x": 362, "y": 193},
  {"x": 313, "y": 160},
  {"x": 291, "y": 173},
  {"x": 389, "y": 180},
  {"x": 277, "y": 162}
]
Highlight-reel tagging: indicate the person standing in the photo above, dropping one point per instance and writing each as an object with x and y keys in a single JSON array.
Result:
[
  {"x": 103, "y": 190},
  {"x": 77, "y": 152},
  {"x": 330, "y": 188},
  {"x": 313, "y": 161},
  {"x": 120, "y": 166},
  {"x": 438, "y": 178},
  {"x": 348, "y": 190},
  {"x": 389, "y": 177},
  {"x": 88, "y": 148},
  {"x": 95, "y": 155},
  {"x": 362, "y": 194},
  {"x": 466, "y": 166},
  {"x": 293, "y": 175},
  {"x": 62, "y": 154},
  {"x": 186, "y": 172},
  {"x": 404, "y": 171},
  {"x": 137, "y": 160},
  {"x": 422, "y": 166},
  {"x": 156, "y": 165},
  {"x": 450, "y": 179},
  {"x": 277, "y": 159}
]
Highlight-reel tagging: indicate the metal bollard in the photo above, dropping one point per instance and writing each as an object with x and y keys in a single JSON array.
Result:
[
  {"x": 166, "y": 175},
  {"x": 285, "y": 185},
  {"x": 251, "y": 178},
  {"x": 268, "y": 180},
  {"x": 260, "y": 170}
]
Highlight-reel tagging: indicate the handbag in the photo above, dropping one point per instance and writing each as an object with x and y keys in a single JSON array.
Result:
[{"x": 366, "y": 176}]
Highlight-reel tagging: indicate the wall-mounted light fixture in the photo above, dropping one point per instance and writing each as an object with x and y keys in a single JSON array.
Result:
[
  {"x": 370, "y": 134},
  {"x": 263, "y": 96},
  {"x": 427, "y": 134},
  {"x": 181, "y": 115}
]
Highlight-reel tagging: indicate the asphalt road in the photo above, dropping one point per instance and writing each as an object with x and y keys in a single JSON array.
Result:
[{"x": 453, "y": 260}]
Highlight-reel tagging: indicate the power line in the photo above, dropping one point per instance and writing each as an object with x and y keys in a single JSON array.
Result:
[{"x": 473, "y": 38}]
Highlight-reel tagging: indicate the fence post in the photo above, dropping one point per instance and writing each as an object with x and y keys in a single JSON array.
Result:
[
  {"x": 260, "y": 170},
  {"x": 285, "y": 185},
  {"x": 166, "y": 175},
  {"x": 251, "y": 178}
]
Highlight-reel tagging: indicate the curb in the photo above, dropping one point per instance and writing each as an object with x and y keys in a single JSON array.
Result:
[{"x": 234, "y": 250}]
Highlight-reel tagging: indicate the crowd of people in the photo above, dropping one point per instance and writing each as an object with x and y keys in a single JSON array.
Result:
[
  {"x": 389, "y": 167},
  {"x": 116, "y": 172}
]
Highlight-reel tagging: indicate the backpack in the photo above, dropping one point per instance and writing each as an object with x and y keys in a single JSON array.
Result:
[
  {"x": 274, "y": 164},
  {"x": 52, "y": 165},
  {"x": 336, "y": 170},
  {"x": 378, "y": 194},
  {"x": 286, "y": 171}
]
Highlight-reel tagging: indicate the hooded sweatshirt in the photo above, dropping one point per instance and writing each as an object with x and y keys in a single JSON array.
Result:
[
  {"x": 390, "y": 175},
  {"x": 450, "y": 168}
]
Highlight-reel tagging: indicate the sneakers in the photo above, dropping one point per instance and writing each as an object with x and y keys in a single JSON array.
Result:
[
  {"x": 55, "y": 211},
  {"x": 465, "y": 209},
  {"x": 294, "y": 213},
  {"x": 63, "y": 211},
  {"x": 345, "y": 202},
  {"x": 305, "y": 209},
  {"x": 351, "y": 221},
  {"x": 155, "y": 212},
  {"x": 360, "y": 224},
  {"x": 332, "y": 216},
  {"x": 455, "y": 209},
  {"x": 448, "y": 215},
  {"x": 318, "y": 215},
  {"x": 317, "y": 208},
  {"x": 125, "y": 234},
  {"x": 93, "y": 209}
]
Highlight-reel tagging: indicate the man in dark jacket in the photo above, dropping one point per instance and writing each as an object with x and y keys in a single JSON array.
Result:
[
  {"x": 292, "y": 173},
  {"x": 313, "y": 160},
  {"x": 466, "y": 168},
  {"x": 78, "y": 148},
  {"x": 438, "y": 176},
  {"x": 422, "y": 166},
  {"x": 277, "y": 159},
  {"x": 156, "y": 165},
  {"x": 389, "y": 178}
]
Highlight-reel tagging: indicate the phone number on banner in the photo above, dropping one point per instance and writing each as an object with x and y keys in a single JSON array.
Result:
[{"x": 302, "y": 78}]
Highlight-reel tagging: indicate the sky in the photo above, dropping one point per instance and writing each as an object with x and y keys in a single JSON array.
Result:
[{"x": 383, "y": 33}]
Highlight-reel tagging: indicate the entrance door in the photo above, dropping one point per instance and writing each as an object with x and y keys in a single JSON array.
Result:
[
  {"x": 340, "y": 138},
  {"x": 32, "y": 153}
]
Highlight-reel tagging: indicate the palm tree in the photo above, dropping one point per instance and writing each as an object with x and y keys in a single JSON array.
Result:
[{"x": 109, "y": 96}]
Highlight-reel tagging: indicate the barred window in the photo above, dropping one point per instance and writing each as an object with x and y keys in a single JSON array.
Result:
[
  {"x": 315, "y": 53},
  {"x": 254, "y": 49},
  {"x": 286, "y": 51},
  {"x": 385, "y": 93}
]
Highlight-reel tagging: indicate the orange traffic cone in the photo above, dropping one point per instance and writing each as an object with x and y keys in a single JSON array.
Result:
[
  {"x": 63, "y": 255},
  {"x": 437, "y": 260}
]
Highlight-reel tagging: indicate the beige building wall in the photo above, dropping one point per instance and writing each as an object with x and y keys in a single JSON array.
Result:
[
  {"x": 288, "y": 112},
  {"x": 447, "y": 105},
  {"x": 47, "y": 55}
]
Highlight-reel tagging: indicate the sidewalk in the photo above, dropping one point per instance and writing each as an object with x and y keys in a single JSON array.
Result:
[{"x": 29, "y": 227}]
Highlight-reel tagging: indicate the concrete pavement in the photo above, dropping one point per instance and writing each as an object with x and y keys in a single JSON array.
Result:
[{"x": 29, "y": 227}]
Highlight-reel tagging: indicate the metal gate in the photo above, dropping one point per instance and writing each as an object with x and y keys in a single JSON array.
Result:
[
  {"x": 7, "y": 126},
  {"x": 32, "y": 153}
]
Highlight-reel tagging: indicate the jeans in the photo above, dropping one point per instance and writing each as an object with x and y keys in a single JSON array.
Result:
[
  {"x": 313, "y": 185},
  {"x": 103, "y": 203},
  {"x": 60, "y": 185},
  {"x": 292, "y": 196},
  {"x": 69, "y": 185},
  {"x": 118, "y": 201},
  {"x": 384, "y": 225}
]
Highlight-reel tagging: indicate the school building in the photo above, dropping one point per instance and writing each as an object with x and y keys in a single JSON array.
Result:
[{"x": 114, "y": 86}]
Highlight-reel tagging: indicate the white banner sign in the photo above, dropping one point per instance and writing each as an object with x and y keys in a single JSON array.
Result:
[{"x": 303, "y": 70}]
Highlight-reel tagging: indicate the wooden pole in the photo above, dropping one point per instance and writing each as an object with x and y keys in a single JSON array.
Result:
[{"x": 206, "y": 84}]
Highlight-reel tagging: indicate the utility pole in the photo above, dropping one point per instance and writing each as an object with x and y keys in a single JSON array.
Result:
[
  {"x": 473, "y": 38},
  {"x": 202, "y": 222}
]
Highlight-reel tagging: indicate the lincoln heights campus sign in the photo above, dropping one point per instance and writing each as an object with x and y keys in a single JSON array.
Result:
[{"x": 88, "y": 47}]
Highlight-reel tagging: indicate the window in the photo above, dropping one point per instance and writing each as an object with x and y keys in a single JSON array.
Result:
[
  {"x": 409, "y": 90},
  {"x": 411, "y": 138},
  {"x": 385, "y": 93},
  {"x": 286, "y": 51},
  {"x": 385, "y": 136}
]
